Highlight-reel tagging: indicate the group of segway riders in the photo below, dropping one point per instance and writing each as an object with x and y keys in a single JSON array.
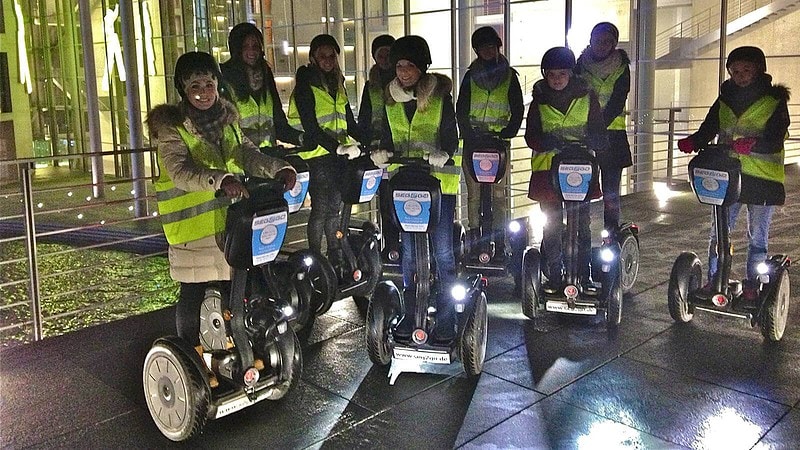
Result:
[{"x": 224, "y": 176}]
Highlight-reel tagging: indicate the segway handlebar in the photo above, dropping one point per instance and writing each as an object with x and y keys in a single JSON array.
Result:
[
  {"x": 714, "y": 148},
  {"x": 258, "y": 186},
  {"x": 419, "y": 162}
]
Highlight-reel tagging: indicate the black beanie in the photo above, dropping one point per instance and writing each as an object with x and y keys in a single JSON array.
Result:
[
  {"x": 411, "y": 48},
  {"x": 237, "y": 36},
  {"x": 383, "y": 40},
  {"x": 191, "y": 63},
  {"x": 321, "y": 40},
  {"x": 750, "y": 54}
]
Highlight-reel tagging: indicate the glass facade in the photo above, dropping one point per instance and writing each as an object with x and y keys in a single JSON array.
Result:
[{"x": 69, "y": 72}]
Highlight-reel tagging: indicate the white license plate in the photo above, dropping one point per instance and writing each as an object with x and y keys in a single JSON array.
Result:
[
  {"x": 563, "y": 307},
  {"x": 423, "y": 356}
]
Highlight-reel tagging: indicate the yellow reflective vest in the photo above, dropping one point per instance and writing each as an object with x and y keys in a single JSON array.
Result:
[
  {"x": 331, "y": 116},
  {"x": 604, "y": 89},
  {"x": 255, "y": 119},
  {"x": 752, "y": 123},
  {"x": 490, "y": 109},
  {"x": 569, "y": 127},
  {"x": 418, "y": 138},
  {"x": 188, "y": 216}
]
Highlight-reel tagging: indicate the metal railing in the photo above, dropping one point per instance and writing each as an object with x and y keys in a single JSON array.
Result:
[{"x": 71, "y": 260}]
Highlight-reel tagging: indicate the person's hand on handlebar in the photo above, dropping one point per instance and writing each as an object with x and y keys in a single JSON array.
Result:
[
  {"x": 350, "y": 150},
  {"x": 687, "y": 145},
  {"x": 437, "y": 158},
  {"x": 233, "y": 188},
  {"x": 289, "y": 178},
  {"x": 380, "y": 157}
]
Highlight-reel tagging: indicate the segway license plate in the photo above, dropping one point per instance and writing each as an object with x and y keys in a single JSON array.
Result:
[
  {"x": 486, "y": 165},
  {"x": 422, "y": 356},
  {"x": 413, "y": 209},
  {"x": 296, "y": 195},
  {"x": 369, "y": 184},
  {"x": 574, "y": 181},
  {"x": 564, "y": 307},
  {"x": 710, "y": 186},
  {"x": 268, "y": 234}
]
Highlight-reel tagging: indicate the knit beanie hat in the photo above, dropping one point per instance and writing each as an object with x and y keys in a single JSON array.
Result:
[
  {"x": 750, "y": 54},
  {"x": 606, "y": 27},
  {"x": 383, "y": 40},
  {"x": 321, "y": 40},
  {"x": 191, "y": 63},
  {"x": 411, "y": 48}
]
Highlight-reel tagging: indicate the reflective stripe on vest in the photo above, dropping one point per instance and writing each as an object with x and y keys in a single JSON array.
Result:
[
  {"x": 569, "y": 127},
  {"x": 331, "y": 116},
  {"x": 752, "y": 123},
  {"x": 418, "y": 138},
  {"x": 188, "y": 216},
  {"x": 255, "y": 119},
  {"x": 490, "y": 109},
  {"x": 604, "y": 89}
]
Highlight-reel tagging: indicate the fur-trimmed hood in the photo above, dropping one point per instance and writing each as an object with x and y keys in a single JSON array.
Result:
[
  {"x": 171, "y": 116},
  {"x": 429, "y": 85}
]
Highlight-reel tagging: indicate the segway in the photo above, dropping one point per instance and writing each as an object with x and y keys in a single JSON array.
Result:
[
  {"x": 574, "y": 170},
  {"x": 486, "y": 162},
  {"x": 248, "y": 352},
  {"x": 416, "y": 197},
  {"x": 716, "y": 180},
  {"x": 357, "y": 273}
]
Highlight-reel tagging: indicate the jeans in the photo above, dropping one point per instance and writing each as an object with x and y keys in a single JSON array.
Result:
[
  {"x": 552, "y": 239},
  {"x": 442, "y": 245},
  {"x": 326, "y": 201},
  {"x": 759, "y": 218},
  {"x": 610, "y": 179},
  {"x": 474, "y": 201}
]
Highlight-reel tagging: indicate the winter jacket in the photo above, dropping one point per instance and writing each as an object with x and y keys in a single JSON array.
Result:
[
  {"x": 755, "y": 189},
  {"x": 541, "y": 142},
  {"x": 612, "y": 93},
  {"x": 371, "y": 110},
  {"x": 512, "y": 96},
  {"x": 201, "y": 260}
]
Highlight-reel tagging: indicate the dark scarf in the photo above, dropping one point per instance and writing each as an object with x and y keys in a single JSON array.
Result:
[
  {"x": 740, "y": 98},
  {"x": 561, "y": 100},
  {"x": 209, "y": 123},
  {"x": 489, "y": 74}
]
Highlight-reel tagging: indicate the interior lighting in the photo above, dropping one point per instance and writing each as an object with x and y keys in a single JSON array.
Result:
[{"x": 22, "y": 55}]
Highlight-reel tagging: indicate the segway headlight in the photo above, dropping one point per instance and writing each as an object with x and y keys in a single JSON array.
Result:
[
  {"x": 605, "y": 234},
  {"x": 308, "y": 261},
  {"x": 762, "y": 269},
  {"x": 514, "y": 226},
  {"x": 606, "y": 255},
  {"x": 459, "y": 292},
  {"x": 287, "y": 311}
]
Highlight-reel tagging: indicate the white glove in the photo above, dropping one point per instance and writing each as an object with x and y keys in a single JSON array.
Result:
[
  {"x": 380, "y": 157},
  {"x": 351, "y": 151},
  {"x": 437, "y": 158}
]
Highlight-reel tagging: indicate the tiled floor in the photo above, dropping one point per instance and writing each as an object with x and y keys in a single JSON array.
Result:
[{"x": 557, "y": 383}]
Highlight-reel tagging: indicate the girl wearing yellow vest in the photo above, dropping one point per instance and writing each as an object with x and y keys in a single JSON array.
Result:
[
  {"x": 606, "y": 68},
  {"x": 250, "y": 85},
  {"x": 319, "y": 106},
  {"x": 200, "y": 148},
  {"x": 752, "y": 116},
  {"x": 563, "y": 109},
  {"x": 420, "y": 122}
]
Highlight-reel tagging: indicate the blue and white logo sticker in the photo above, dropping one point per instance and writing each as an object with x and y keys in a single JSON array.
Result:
[
  {"x": 268, "y": 234},
  {"x": 486, "y": 165},
  {"x": 297, "y": 195},
  {"x": 413, "y": 210},
  {"x": 369, "y": 184},
  {"x": 711, "y": 186},
  {"x": 574, "y": 181}
]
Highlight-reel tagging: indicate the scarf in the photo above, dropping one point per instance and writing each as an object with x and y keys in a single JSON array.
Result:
[
  {"x": 603, "y": 68},
  {"x": 209, "y": 123},
  {"x": 488, "y": 74},
  {"x": 400, "y": 94}
]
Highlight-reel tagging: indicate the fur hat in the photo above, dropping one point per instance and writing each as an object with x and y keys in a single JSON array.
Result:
[
  {"x": 191, "y": 63},
  {"x": 411, "y": 48}
]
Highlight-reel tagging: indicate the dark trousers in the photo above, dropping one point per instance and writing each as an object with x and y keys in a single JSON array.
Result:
[
  {"x": 553, "y": 235},
  {"x": 610, "y": 179},
  {"x": 326, "y": 201}
]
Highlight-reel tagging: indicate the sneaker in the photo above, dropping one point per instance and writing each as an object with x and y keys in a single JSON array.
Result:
[
  {"x": 551, "y": 287},
  {"x": 590, "y": 287},
  {"x": 706, "y": 290}
]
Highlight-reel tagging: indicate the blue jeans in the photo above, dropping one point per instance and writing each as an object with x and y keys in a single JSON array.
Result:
[
  {"x": 442, "y": 242},
  {"x": 759, "y": 218}
]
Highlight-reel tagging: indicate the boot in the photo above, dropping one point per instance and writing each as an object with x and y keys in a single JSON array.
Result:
[{"x": 500, "y": 255}]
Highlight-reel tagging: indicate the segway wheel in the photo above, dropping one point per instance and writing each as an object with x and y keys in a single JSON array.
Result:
[
  {"x": 174, "y": 389},
  {"x": 382, "y": 309},
  {"x": 531, "y": 283},
  {"x": 320, "y": 275},
  {"x": 776, "y": 309},
  {"x": 685, "y": 278},
  {"x": 473, "y": 339},
  {"x": 459, "y": 243},
  {"x": 284, "y": 357},
  {"x": 612, "y": 290},
  {"x": 629, "y": 256},
  {"x": 369, "y": 261}
]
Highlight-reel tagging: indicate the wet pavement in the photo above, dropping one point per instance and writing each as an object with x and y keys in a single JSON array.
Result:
[{"x": 557, "y": 383}]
